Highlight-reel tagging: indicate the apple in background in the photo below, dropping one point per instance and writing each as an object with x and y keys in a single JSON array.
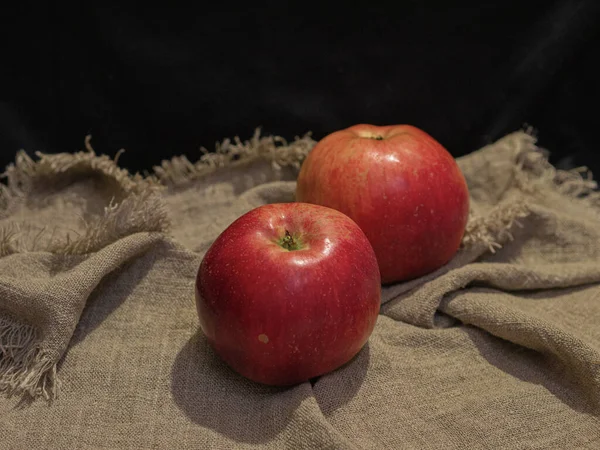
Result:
[
  {"x": 288, "y": 292},
  {"x": 400, "y": 185}
]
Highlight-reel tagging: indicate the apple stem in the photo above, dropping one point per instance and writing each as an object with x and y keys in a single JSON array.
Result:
[{"x": 288, "y": 241}]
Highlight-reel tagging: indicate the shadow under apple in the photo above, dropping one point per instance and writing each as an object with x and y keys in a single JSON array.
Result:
[
  {"x": 336, "y": 389},
  {"x": 215, "y": 397}
]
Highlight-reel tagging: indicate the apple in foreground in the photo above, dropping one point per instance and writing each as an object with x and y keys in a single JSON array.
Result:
[
  {"x": 288, "y": 292},
  {"x": 402, "y": 188}
]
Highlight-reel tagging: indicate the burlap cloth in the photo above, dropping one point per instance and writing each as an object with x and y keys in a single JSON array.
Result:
[{"x": 100, "y": 344}]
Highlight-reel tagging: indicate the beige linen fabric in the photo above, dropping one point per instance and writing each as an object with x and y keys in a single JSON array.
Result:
[{"x": 99, "y": 338}]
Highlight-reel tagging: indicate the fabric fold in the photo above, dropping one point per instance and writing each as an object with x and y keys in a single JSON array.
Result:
[{"x": 62, "y": 215}]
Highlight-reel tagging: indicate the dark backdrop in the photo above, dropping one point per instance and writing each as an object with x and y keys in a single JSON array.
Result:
[{"x": 161, "y": 81}]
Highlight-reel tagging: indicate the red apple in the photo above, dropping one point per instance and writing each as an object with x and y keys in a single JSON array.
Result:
[
  {"x": 400, "y": 185},
  {"x": 288, "y": 292}
]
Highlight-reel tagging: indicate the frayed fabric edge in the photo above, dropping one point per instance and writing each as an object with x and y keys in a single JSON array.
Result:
[
  {"x": 491, "y": 231},
  {"x": 25, "y": 173},
  {"x": 25, "y": 369},
  {"x": 533, "y": 173},
  {"x": 141, "y": 203},
  {"x": 144, "y": 212},
  {"x": 231, "y": 153},
  {"x": 24, "y": 366}
]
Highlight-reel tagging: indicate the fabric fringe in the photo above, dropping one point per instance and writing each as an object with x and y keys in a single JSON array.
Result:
[
  {"x": 494, "y": 229},
  {"x": 274, "y": 149},
  {"x": 8, "y": 236},
  {"x": 144, "y": 212},
  {"x": 25, "y": 173},
  {"x": 137, "y": 213},
  {"x": 24, "y": 368},
  {"x": 49, "y": 170},
  {"x": 533, "y": 173},
  {"x": 141, "y": 208}
]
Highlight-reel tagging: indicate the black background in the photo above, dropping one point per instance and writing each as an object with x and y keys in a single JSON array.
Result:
[{"x": 162, "y": 81}]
